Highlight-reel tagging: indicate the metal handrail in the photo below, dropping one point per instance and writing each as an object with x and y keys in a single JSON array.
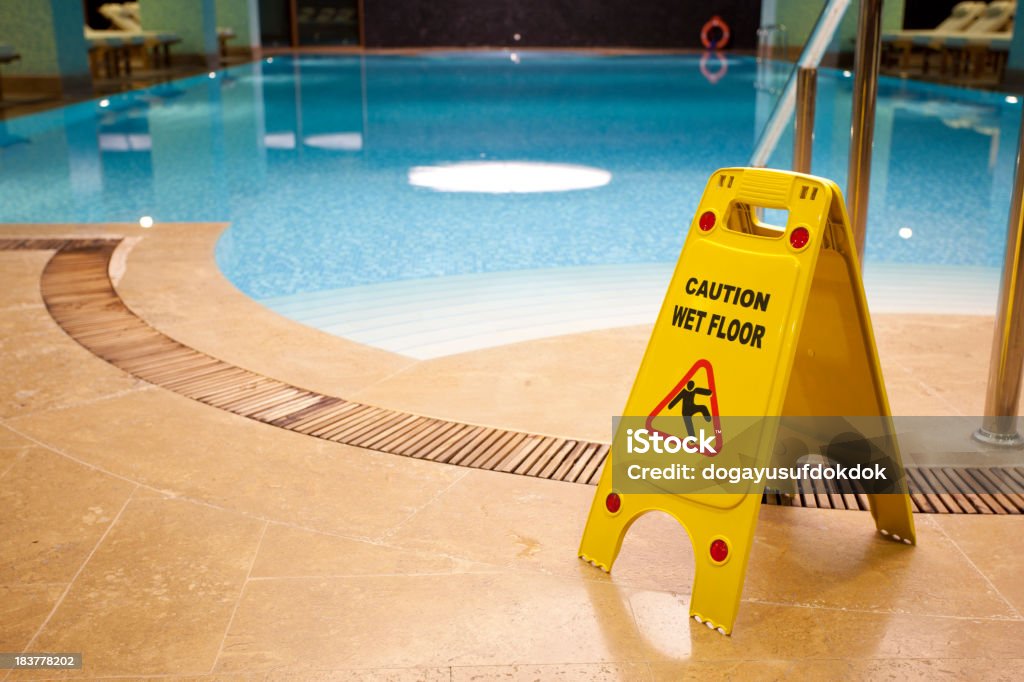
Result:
[
  {"x": 999, "y": 425},
  {"x": 862, "y": 118},
  {"x": 803, "y": 128}
]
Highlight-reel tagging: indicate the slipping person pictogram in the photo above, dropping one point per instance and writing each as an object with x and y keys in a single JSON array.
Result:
[
  {"x": 688, "y": 396},
  {"x": 689, "y": 390}
]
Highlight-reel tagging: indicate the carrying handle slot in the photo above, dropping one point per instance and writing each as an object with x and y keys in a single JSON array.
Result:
[{"x": 756, "y": 220}]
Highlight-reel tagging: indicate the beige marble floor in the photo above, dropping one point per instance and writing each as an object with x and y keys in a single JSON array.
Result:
[{"x": 164, "y": 538}]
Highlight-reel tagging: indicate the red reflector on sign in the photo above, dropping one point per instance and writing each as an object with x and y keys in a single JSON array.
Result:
[
  {"x": 799, "y": 237},
  {"x": 719, "y": 551},
  {"x": 613, "y": 502},
  {"x": 707, "y": 220}
]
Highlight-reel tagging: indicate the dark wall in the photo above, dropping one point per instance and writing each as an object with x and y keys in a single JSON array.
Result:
[
  {"x": 92, "y": 14},
  {"x": 920, "y": 14},
  {"x": 555, "y": 23},
  {"x": 275, "y": 23}
]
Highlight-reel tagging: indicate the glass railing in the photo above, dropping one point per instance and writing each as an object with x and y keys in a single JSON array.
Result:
[{"x": 770, "y": 76}]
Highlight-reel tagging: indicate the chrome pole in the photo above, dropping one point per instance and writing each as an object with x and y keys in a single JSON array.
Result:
[
  {"x": 999, "y": 425},
  {"x": 803, "y": 122},
  {"x": 862, "y": 119}
]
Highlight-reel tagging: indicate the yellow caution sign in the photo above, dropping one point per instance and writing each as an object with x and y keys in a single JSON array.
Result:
[{"x": 757, "y": 321}]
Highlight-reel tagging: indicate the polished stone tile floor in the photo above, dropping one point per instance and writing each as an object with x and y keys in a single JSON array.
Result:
[{"x": 164, "y": 538}]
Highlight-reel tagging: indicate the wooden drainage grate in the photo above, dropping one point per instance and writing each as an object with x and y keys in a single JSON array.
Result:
[{"x": 81, "y": 298}]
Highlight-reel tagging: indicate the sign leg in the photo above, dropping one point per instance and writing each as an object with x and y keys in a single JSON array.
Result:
[
  {"x": 893, "y": 517},
  {"x": 721, "y": 548},
  {"x": 610, "y": 518}
]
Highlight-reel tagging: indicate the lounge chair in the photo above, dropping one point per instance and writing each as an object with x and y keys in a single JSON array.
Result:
[
  {"x": 112, "y": 50},
  {"x": 972, "y": 44},
  {"x": 7, "y": 55},
  {"x": 974, "y": 54},
  {"x": 999, "y": 53},
  {"x": 994, "y": 18},
  {"x": 963, "y": 15},
  {"x": 224, "y": 33},
  {"x": 157, "y": 46}
]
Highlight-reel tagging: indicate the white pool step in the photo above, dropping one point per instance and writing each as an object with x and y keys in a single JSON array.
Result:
[{"x": 429, "y": 318}]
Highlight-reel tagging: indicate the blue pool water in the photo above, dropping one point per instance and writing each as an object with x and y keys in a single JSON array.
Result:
[{"x": 309, "y": 159}]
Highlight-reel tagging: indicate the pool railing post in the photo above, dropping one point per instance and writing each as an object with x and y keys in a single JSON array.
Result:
[
  {"x": 862, "y": 119},
  {"x": 999, "y": 425},
  {"x": 803, "y": 122}
]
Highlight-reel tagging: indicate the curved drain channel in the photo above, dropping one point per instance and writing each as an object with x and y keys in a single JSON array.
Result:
[{"x": 78, "y": 293}]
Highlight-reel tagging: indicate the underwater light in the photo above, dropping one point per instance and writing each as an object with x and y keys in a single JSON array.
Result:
[
  {"x": 279, "y": 140},
  {"x": 344, "y": 142},
  {"x": 146, "y": 221},
  {"x": 125, "y": 142},
  {"x": 905, "y": 232},
  {"x": 508, "y": 177}
]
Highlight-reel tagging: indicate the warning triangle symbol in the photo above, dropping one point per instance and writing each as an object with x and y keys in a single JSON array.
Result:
[{"x": 691, "y": 405}]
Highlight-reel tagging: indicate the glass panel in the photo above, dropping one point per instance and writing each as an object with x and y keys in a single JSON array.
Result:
[{"x": 780, "y": 122}]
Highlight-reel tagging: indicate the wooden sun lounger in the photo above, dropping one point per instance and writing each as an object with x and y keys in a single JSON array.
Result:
[
  {"x": 156, "y": 49},
  {"x": 959, "y": 45},
  {"x": 112, "y": 50},
  {"x": 903, "y": 42}
]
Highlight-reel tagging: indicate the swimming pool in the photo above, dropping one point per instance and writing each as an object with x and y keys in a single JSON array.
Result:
[{"x": 329, "y": 170}]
